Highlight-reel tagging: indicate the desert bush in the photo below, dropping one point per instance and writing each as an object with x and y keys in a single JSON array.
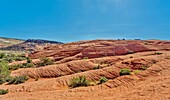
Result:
[
  {"x": 8, "y": 78},
  {"x": 28, "y": 65},
  {"x": 18, "y": 79},
  {"x": 103, "y": 80},
  {"x": 130, "y": 52},
  {"x": 145, "y": 43},
  {"x": 9, "y": 57},
  {"x": 125, "y": 71},
  {"x": 158, "y": 53},
  {"x": 19, "y": 58},
  {"x": 17, "y": 66},
  {"x": 136, "y": 71},
  {"x": 29, "y": 60},
  {"x": 36, "y": 79},
  {"x": 4, "y": 70},
  {"x": 144, "y": 67},
  {"x": 79, "y": 81},
  {"x": 2, "y": 91},
  {"x": 85, "y": 58},
  {"x": 97, "y": 67},
  {"x": 131, "y": 57},
  {"x": 2, "y": 55},
  {"x": 2, "y": 80},
  {"x": 46, "y": 61}
]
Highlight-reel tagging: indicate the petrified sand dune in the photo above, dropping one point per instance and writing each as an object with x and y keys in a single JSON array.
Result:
[
  {"x": 100, "y": 48},
  {"x": 150, "y": 84},
  {"x": 63, "y": 69}
]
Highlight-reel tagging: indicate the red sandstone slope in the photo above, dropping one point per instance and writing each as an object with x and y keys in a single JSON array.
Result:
[
  {"x": 151, "y": 83},
  {"x": 99, "y": 48}
]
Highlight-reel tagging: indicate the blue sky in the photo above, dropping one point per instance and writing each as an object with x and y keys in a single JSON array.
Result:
[{"x": 74, "y": 20}]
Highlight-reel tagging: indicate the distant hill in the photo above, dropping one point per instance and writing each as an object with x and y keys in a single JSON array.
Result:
[
  {"x": 5, "y": 42},
  {"x": 31, "y": 45}
]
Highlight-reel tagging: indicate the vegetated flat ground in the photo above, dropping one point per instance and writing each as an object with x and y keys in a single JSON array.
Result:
[
  {"x": 150, "y": 84},
  {"x": 149, "y": 79}
]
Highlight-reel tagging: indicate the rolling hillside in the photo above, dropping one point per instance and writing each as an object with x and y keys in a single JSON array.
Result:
[
  {"x": 29, "y": 45},
  {"x": 4, "y": 42}
]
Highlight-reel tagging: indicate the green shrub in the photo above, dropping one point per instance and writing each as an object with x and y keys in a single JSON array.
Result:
[
  {"x": 2, "y": 55},
  {"x": 8, "y": 78},
  {"x": 29, "y": 65},
  {"x": 2, "y": 91},
  {"x": 8, "y": 57},
  {"x": 2, "y": 80},
  {"x": 103, "y": 80},
  {"x": 46, "y": 61},
  {"x": 4, "y": 70},
  {"x": 124, "y": 71},
  {"x": 17, "y": 66},
  {"x": 79, "y": 81},
  {"x": 18, "y": 79},
  {"x": 19, "y": 58},
  {"x": 8, "y": 60}
]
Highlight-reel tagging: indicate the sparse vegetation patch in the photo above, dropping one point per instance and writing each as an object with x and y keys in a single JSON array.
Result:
[
  {"x": 18, "y": 79},
  {"x": 79, "y": 81},
  {"x": 10, "y": 57},
  {"x": 45, "y": 61}
]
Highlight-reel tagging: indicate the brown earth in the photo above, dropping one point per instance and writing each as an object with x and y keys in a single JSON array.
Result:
[{"x": 150, "y": 84}]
